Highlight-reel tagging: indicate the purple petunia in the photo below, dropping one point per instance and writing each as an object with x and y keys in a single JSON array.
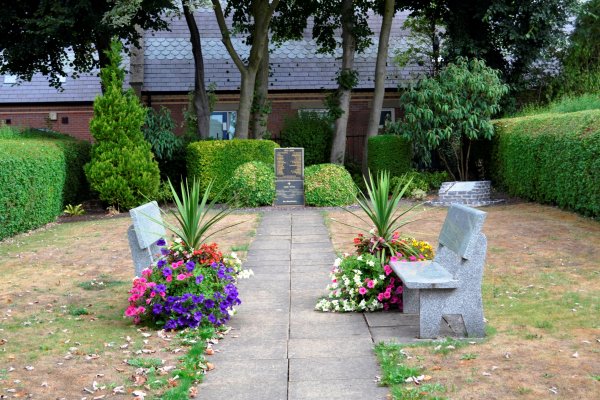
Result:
[
  {"x": 190, "y": 265},
  {"x": 199, "y": 279},
  {"x": 167, "y": 272},
  {"x": 161, "y": 263},
  {"x": 161, "y": 242}
]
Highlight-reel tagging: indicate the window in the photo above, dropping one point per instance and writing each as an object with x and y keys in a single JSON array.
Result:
[
  {"x": 222, "y": 124},
  {"x": 10, "y": 79},
  {"x": 322, "y": 112},
  {"x": 387, "y": 115}
]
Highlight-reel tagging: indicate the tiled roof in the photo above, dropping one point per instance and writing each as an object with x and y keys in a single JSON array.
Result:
[{"x": 169, "y": 66}]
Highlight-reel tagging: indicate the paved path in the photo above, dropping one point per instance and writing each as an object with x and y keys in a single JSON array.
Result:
[{"x": 279, "y": 347}]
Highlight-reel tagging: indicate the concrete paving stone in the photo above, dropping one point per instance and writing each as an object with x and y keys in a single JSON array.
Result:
[
  {"x": 276, "y": 230},
  {"x": 248, "y": 371},
  {"x": 326, "y": 317},
  {"x": 246, "y": 316},
  {"x": 391, "y": 318},
  {"x": 270, "y": 236},
  {"x": 266, "y": 303},
  {"x": 281, "y": 244},
  {"x": 266, "y": 263},
  {"x": 323, "y": 329},
  {"x": 306, "y": 281},
  {"x": 244, "y": 391},
  {"x": 346, "y": 389},
  {"x": 248, "y": 291},
  {"x": 318, "y": 369},
  {"x": 310, "y": 239},
  {"x": 308, "y": 267},
  {"x": 327, "y": 348},
  {"x": 232, "y": 349},
  {"x": 261, "y": 273},
  {"x": 395, "y": 334},
  {"x": 264, "y": 332},
  {"x": 325, "y": 246},
  {"x": 310, "y": 230},
  {"x": 262, "y": 284},
  {"x": 268, "y": 255},
  {"x": 323, "y": 257},
  {"x": 307, "y": 219}
]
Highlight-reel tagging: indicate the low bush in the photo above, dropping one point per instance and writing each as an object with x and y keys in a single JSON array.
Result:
[
  {"x": 328, "y": 185},
  {"x": 217, "y": 160},
  {"x": 253, "y": 184},
  {"x": 389, "y": 153},
  {"x": 311, "y": 131},
  {"x": 32, "y": 179},
  {"x": 422, "y": 182},
  {"x": 551, "y": 158}
]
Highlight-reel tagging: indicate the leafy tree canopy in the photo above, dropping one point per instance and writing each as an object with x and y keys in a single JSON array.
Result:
[{"x": 68, "y": 37}]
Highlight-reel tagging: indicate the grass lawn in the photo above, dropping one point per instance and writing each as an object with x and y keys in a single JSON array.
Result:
[
  {"x": 541, "y": 295},
  {"x": 62, "y": 330}
]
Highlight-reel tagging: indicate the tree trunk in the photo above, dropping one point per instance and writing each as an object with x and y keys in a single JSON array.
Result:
[
  {"x": 262, "y": 12},
  {"x": 338, "y": 146},
  {"x": 260, "y": 111},
  {"x": 380, "y": 71},
  {"x": 200, "y": 101}
]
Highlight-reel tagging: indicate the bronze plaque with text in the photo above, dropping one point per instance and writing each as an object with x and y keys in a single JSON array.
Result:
[{"x": 289, "y": 176}]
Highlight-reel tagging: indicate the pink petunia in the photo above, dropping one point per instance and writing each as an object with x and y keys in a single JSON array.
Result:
[
  {"x": 130, "y": 311},
  {"x": 412, "y": 258},
  {"x": 387, "y": 295},
  {"x": 380, "y": 297},
  {"x": 169, "y": 278},
  {"x": 362, "y": 291},
  {"x": 180, "y": 277},
  {"x": 393, "y": 259},
  {"x": 371, "y": 284},
  {"x": 387, "y": 269}
]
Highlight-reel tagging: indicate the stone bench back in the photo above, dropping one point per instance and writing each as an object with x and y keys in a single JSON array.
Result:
[{"x": 143, "y": 234}]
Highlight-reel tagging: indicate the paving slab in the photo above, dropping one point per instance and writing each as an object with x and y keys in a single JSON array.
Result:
[
  {"x": 303, "y": 330},
  {"x": 234, "y": 349},
  {"x": 305, "y": 266},
  {"x": 346, "y": 389},
  {"x": 248, "y": 371},
  {"x": 306, "y": 369},
  {"x": 391, "y": 318},
  {"x": 327, "y": 348},
  {"x": 265, "y": 332},
  {"x": 310, "y": 238},
  {"x": 281, "y": 245},
  {"x": 244, "y": 391}
]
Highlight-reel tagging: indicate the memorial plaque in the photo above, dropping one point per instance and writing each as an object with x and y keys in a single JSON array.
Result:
[
  {"x": 289, "y": 164},
  {"x": 289, "y": 176}
]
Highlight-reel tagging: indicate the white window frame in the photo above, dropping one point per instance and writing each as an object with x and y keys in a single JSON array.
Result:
[
  {"x": 228, "y": 127},
  {"x": 392, "y": 112}
]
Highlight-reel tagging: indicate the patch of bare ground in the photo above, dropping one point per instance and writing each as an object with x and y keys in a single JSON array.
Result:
[
  {"x": 64, "y": 291},
  {"x": 541, "y": 299}
]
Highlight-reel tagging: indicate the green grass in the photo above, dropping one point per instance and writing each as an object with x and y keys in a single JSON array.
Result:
[
  {"x": 77, "y": 311},
  {"x": 243, "y": 247},
  {"x": 468, "y": 356},
  {"x": 596, "y": 377},
  {"x": 140, "y": 362},
  {"x": 101, "y": 283},
  {"x": 567, "y": 104}
]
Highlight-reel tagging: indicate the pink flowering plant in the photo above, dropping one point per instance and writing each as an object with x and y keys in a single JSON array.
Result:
[
  {"x": 365, "y": 281},
  {"x": 192, "y": 284}
]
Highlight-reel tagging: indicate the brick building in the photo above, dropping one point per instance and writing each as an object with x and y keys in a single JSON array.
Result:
[{"x": 164, "y": 74}]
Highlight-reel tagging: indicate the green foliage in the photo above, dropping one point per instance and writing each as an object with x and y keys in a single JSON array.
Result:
[
  {"x": 328, "y": 185},
  {"x": 122, "y": 169},
  {"x": 194, "y": 214},
  {"x": 389, "y": 153},
  {"x": 74, "y": 210},
  {"x": 253, "y": 184},
  {"x": 311, "y": 131},
  {"x": 581, "y": 64},
  {"x": 551, "y": 158},
  {"x": 168, "y": 148},
  {"x": 32, "y": 178},
  {"x": 453, "y": 108},
  {"x": 420, "y": 181},
  {"x": 565, "y": 104},
  {"x": 216, "y": 160}
]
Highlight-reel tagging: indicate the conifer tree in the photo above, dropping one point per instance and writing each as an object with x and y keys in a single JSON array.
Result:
[{"x": 122, "y": 168}]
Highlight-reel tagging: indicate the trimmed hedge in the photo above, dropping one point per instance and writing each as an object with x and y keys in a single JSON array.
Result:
[
  {"x": 218, "y": 159},
  {"x": 328, "y": 185},
  {"x": 32, "y": 178},
  {"x": 551, "y": 158},
  {"x": 253, "y": 184},
  {"x": 389, "y": 152},
  {"x": 311, "y": 131}
]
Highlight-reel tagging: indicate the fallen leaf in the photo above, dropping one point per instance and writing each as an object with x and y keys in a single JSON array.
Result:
[
  {"x": 172, "y": 382},
  {"x": 210, "y": 366},
  {"x": 138, "y": 380},
  {"x": 139, "y": 393},
  {"x": 553, "y": 390},
  {"x": 44, "y": 384},
  {"x": 486, "y": 374},
  {"x": 575, "y": 355},
  {"x": 119, "y": 390},
  {"x": 146, "y": 334},
  {"x": 209, "y": 351},
  {"x": 436, "y": 368},
  {"x": 29, "y": 368},
  {"x": 193, "y": 392}
]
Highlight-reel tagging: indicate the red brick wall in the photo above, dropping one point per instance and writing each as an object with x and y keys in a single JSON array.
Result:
[
  {"x": 38, "y": 117},
  {"x": 282, "y": 104}
]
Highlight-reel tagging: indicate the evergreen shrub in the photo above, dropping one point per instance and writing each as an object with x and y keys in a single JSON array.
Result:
[
  {"x": 328, "y": 185},
  {"x": 122, "y": 168},
  {"x": 311, "y": 131},
  {"x": 253, "y": 184},
  {"x": 550, "y": 158},
  {"x": 217, "y": 160},
  {"x": 389, "y": 153},
  {"x": 32, "y": 179}
]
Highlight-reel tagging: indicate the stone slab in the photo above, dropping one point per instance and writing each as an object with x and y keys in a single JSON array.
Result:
[
  {"x": 264, "y": 332},
  {"x": 268, "y": 255},
  {"x": 302, "y": 369},
  {"x": 322, "y": 257},
  {"x": 378, "y": 319},
  {"x": 304, "y": 330},
  {"x": 310, "y": 239},
  {"x": 318, "y": 316},
  {"x": 325, "y": 246},
  {"x": 247, "y": 317},
  {"x": 343, "y": 389},
  {"x": 461, "y": 226},
  {"x": 309, "y": 230},
  {"x": 303, "y": 266},
  {"x": 424, "y": 275},
  {"x": 280, "y": 244},
  {"x": 328, "y": 348},
  {"x": 145, "y": 221},
  {"x": 235, "y": 372},
  {"x": 252, "y": 349},
  {"x": 244, "y": 391},
  {"x": 307, "y": 281}
]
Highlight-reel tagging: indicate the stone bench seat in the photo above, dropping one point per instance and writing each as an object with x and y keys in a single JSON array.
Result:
[
  {"x": 424, "y": 275},
  {"x": 451, "y": 283}
]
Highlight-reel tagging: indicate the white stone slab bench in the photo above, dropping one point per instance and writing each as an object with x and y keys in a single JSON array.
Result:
[
  {"x": 451, "y": 283},
  {"x": 143, "y": 234}
]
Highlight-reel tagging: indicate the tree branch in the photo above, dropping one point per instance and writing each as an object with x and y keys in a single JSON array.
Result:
[{"x": 226, "y": 38}]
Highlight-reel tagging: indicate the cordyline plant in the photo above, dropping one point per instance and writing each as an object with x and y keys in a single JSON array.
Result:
[
  {"x": 194, "y": 214},
  {"x": 382, "y": 211}
]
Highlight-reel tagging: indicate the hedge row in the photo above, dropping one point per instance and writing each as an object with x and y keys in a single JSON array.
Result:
[
  {"x": 40, "y": 172},
  {"x": 218, "y": 159},
  {"x": 550, "y": 158},
  {"x": 389, "y": 152}
]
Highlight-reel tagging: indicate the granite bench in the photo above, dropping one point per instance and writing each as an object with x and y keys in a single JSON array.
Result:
[
  {"x": 451, "y": 283},
  {"x": 143, "y": 234}
]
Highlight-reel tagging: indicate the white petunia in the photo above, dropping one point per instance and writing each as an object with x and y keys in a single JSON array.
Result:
[
  {"x": 371, "y": 263},
  {"x": 337, "y": 262}
]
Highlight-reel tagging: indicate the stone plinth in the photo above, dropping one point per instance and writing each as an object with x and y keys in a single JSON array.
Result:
[{"x": 473, "y": 193}]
